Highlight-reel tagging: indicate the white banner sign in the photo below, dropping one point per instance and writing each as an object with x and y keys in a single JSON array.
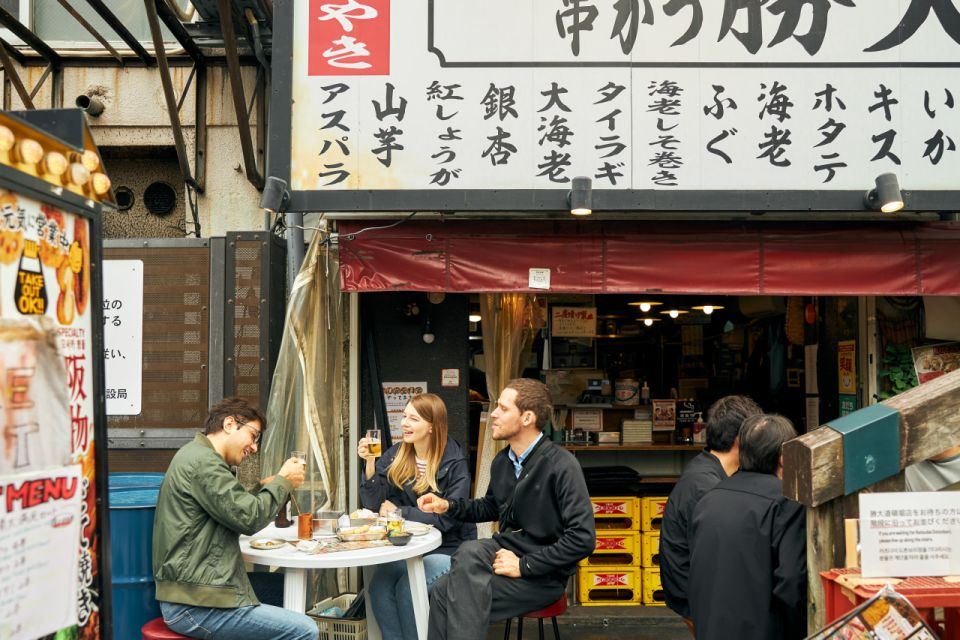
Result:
[
  {"x": 39, "y": 556},
  {"x": 396, "y": 395},
  {"x": 573, "y": 322},
  {"x": 684, "y": 94},
  {"x": 123, "y": 335},
  {"x": 909, "y": 534}
]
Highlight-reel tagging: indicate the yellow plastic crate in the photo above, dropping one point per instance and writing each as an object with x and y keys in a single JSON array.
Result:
[
  {"x": 617, "y": 586},
  {"x": 650, "y": 544},
  {"x": 652, "y": 513},
  {"x": 615, "y": 548},
  {"x": 616, "y": 513},
  {"x": 652, "y": 589}
]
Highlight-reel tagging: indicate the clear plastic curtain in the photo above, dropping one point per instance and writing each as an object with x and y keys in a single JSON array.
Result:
[
  {"x": 508, "y": 329},
  {"x": 306, "y": 405}
]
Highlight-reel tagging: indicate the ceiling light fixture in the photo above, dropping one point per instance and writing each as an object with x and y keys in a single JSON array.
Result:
[
  {"x": 674, "y": 313},
  {"x": 708, "y": 308},
  {"x": 645, "y": 305}
]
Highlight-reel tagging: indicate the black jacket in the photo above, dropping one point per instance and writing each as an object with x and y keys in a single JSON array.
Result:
[
  {"x": 699, "y": 476},
  {"x": 545, "y": 516},
  {"x": 748, "y": 562},
  {"x": 453, "y": 481}
]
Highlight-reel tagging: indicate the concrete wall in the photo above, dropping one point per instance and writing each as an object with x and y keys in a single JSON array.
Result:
[{"x": 135, "y": 120}]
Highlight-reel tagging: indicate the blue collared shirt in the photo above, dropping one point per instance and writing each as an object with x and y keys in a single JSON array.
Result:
[{"x": 518, "y": 462}]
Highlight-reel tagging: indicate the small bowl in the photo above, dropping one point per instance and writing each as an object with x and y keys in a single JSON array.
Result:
[{"x": 399, "y": 539}]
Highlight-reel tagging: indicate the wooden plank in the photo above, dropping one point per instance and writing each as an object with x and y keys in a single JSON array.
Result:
[
  {"x": 929, "y": 422},
  {"x": 824, "y": 537}
]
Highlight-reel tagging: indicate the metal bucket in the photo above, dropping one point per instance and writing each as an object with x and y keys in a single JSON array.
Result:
[{"x": 131, "y": 548}]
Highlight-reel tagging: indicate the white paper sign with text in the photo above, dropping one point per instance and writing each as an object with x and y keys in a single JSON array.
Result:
[
  {"x": 909, "y": 534},
  {"x": 123, "y": 335}
]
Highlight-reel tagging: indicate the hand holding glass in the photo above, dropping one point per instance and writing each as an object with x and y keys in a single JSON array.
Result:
[
  {"x": 373, "y": 442},
  {"x": 301, "y": 456}
]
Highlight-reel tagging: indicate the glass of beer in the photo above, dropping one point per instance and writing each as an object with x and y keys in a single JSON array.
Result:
[
  {"x": 301, "y": 456},
  {"x": 305, "y": 526},
  {"x": 373, "y": 442}
]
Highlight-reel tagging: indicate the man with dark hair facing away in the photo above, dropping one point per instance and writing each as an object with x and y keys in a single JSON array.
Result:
[
  {"x": 748, "y": 556},
  {"x": 202, "y": 509},
  {"x": 719, "y": 460},
  {"x": 538, "y": 495}
]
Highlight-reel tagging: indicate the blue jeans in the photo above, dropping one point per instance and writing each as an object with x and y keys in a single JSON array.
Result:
[
  {"x": 261, "y": 622},
  {"x": 389, "y": 594}
]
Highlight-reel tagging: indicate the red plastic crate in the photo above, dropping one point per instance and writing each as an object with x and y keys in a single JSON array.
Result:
[{"x": 843, "y": 592}]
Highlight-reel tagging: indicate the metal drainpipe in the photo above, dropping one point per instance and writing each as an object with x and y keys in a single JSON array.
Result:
[{"x": 295, "y": 250}]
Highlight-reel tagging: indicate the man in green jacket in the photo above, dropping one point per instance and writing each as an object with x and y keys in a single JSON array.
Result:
[{"x": 202, "y": 509}]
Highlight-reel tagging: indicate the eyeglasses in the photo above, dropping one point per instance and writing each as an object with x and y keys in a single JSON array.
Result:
[{"x": 256, "y": 432}]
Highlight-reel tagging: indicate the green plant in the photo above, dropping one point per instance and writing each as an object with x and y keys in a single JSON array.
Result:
[{"x": 898, "y": 371}]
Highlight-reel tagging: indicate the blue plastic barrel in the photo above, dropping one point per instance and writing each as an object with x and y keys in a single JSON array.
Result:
[
  {"x": 129, "y": 480},
  {"x": 131, "y": 548}
]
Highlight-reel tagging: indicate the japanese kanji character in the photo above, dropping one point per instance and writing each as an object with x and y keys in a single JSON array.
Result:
[
  {"x": 557, "y": 131},
  {"x": 753, "y": 38},
  {"x": 772, "y": 147},
  {"x": 666, "y": 160},
  {"x": 389, "y": 110},
  {"x": 554, "y": 166},
  {"x": 581, "y": 15},
  {"x": 778, "y": 104},
  {"x": 916, "y": 14},
  {"x": 791, "y": 10},
  {"x": 499, "y": 150},
  {"x": 388, "y": 143},
  {"x": 499, "y": 101},
  {"x": 553, "y": 98}
]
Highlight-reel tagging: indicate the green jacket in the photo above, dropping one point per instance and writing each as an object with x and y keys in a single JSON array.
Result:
[{"x": 201, "y": 511}]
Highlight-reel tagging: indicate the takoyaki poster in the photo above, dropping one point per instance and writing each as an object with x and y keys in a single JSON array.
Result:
[
  {"x": 45, "y": 271},
  {"x": 936, "y": 360}
]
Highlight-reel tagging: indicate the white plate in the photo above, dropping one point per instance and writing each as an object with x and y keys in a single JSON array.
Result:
[
  {"x": 417, "y": 528},
  {"x": 266, "y": 544}
]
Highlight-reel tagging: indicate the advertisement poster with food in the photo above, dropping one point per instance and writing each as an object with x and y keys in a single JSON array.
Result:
[
  {"x": 935, "y": 360},
  {"x": 886, "y": 616},
  {"x": 45, "y": 281}
]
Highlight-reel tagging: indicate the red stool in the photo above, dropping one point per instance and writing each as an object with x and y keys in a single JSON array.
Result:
[
  {"x": 157, "y": 630},
  {"x": 558, "y": 608}
]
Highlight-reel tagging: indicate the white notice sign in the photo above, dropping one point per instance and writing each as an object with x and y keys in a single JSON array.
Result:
[
  {"x": 909, "y": 534},
  {"x": 123, "y": 335},
  {"x": 40, "y": 516}
]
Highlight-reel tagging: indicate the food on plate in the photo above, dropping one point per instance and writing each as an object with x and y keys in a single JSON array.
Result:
[
  {"x": 352, "y": 531},
  {"x": 267, "y": 543},
  {"x": 362, "y": 514}
]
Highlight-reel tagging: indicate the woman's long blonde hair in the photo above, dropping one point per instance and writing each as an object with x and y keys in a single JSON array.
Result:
[{"x": 403, "y": 469}]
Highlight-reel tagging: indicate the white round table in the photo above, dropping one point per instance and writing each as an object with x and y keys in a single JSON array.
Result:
[{"x": 295, "y": 564}]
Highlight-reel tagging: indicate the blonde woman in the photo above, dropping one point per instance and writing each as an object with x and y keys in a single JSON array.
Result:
[{"x": 427, "y": 460}]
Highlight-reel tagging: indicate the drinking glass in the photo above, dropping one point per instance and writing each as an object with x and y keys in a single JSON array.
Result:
[
  {"x": 301, "y": 456},
  {"x": 373, "y": 442}
]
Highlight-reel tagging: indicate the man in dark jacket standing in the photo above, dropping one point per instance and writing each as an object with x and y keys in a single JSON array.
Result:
[
  {"x": 718, "y": 461},
  {"x": 202, "y": 509},
  {"x": 748, "y": 561},
  {"x": 538, "y": 495}
]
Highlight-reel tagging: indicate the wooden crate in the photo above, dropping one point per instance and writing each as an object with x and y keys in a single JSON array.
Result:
[
  {"x": 616, "y": 586},
  {"x": 616, "y": 548},
  {"x": 616, "y": 513}
]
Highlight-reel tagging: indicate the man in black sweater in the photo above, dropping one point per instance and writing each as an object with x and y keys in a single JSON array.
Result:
[
  {"x": 538, "y": 495},
  {"x": 748, "y": 559},
  {"x": 719, "y": 460}
]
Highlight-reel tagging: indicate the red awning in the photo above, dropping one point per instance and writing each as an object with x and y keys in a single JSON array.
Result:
[{"x": 632, "y": 257}]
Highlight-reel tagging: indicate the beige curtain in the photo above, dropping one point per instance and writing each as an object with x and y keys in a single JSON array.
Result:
[
  {"x": 509, "y": 323},
  {"x": 305, "y": 410}
]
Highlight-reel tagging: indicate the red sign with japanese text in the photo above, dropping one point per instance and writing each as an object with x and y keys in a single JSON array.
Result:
[
  {"x": 349, "y": 38},
  {"x": 45, "y": 273}
]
